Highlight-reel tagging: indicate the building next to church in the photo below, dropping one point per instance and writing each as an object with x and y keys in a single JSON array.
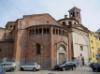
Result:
[
  {"x": 94, "y": 40},
  {"x": 40, "y": 38},
  {"x": 80, "y": 37},
  {"x": 94, "y": 45}
]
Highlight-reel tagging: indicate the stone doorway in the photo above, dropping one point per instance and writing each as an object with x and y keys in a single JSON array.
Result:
[{"x": 61, "y": 55}]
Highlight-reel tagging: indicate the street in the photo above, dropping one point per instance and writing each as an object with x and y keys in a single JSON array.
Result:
[{"x": 78, "y": 70}]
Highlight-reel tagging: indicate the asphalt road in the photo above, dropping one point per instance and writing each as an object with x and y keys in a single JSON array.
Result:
[{"x": 79, "y": 70}]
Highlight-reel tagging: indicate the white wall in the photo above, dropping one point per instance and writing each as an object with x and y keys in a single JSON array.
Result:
[{"x": 80, "y": 39}]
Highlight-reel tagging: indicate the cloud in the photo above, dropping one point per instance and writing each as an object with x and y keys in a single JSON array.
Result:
[
  {"x": 89, "y": 10},
  {"x": 13, "y": 9}
]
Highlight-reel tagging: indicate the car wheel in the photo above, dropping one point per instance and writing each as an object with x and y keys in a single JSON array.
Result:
[
  {"x": 63, "y": 69},
  {"x": 21, "y": 69},
  {"x": 72, "y": 68},
  {"x": 12, "y": 69},
  {"x": 34, "y": 69}
]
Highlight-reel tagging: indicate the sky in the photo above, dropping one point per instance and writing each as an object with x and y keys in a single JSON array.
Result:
[{"x": 10, "y": 10}]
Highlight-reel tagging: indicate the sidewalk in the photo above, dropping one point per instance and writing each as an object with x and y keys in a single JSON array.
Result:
[{"x": 83, "y": 69}]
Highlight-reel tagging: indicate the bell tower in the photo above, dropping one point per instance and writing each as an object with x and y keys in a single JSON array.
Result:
[{"x": 75, "y": 14}]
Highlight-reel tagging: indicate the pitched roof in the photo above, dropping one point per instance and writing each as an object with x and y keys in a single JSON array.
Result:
[
  {"x": 38, "y": 19},
  {"x": 74, "y": 8}
]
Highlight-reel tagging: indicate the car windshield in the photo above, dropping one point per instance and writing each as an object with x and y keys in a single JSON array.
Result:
[
  {"x": 7, "y": 63},
  {"x": 29, "y": 63}
]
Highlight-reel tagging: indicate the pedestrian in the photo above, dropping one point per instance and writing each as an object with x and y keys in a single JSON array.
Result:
[
  {"x": 78, "y": 61},
  {"x": 82, "y": 59}
]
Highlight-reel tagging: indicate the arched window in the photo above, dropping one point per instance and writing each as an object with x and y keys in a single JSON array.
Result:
[
  {"x": 70, "y": 23},
  {"x": 38, "y": 49},
  {"x": 54, "y": 30},
  {"x": 44, "y": 30},
  {"x": 37, "y": 31},
  {"x": 48, "y": 31},
  {"x": 63, "y": 23},
  {"x": 40, "y": 30}
]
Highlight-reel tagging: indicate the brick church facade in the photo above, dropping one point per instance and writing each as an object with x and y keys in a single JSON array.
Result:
[{"x": 36, "y": 38}]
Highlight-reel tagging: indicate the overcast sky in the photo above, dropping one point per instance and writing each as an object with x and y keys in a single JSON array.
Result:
[{"x": 10, "y": 10}]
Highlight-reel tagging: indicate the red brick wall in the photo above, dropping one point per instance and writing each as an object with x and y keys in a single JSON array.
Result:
[
  {"x": 45, "y": 57},
  {"x": 25, "y": 44},
  {"x": 56, "y": 42},
  {"x": 6, "y": 50}
]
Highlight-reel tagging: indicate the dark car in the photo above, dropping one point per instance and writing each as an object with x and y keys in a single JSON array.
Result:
[
  {"x": 2, "y": 70},
  {"x": 64, "y": 66},
  {"x": 74, "y": 63},
  {"x": 95, "y": 67}
]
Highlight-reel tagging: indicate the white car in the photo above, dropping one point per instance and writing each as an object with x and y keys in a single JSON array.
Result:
[
  {"x": 34, "y": 67},
  {"x": 9, "y": 66}
]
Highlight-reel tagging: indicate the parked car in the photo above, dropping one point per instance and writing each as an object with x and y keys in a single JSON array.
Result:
[
  {"x": 74, "y": 63},
  {"x": 64, "y": 66},
  {"x": 9, "y": 66},
  {"x": 2, "y": 70},
  {"x": 34, "y": 67},
  {"x": 95, "y": 67}
]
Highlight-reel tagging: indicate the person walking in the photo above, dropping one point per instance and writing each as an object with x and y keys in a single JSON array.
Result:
[{"x": 82, "y": 59}]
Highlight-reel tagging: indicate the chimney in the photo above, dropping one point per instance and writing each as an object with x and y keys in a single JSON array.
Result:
[{"x": 65, "y": 16}]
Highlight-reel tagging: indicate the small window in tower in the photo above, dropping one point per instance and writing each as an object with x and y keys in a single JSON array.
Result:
[
  {"x": 77, "y": 13},
  {"x": 73, "y": 14},
  {"x": 38, "y": 49},
  {"x": 63, "y": 23},
  {"x": 10, "y": 26},
  {"x": 70, "y": 23}
]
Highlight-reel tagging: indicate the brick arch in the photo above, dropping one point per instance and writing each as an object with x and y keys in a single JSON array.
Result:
[
  {"x": 61, "y": 51},
  {"x": 63, "y": 44},
  {"x": 61, "y": 54}
]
